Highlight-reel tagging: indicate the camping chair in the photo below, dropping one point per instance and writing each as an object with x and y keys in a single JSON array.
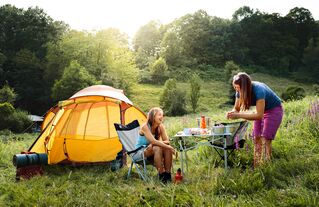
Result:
[
  {"x": 128, "y": 135},
  {"x": 230, "y": 142}
]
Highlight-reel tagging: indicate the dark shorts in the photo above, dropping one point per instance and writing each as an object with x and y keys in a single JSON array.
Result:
[{"x": 268, "y": 126}]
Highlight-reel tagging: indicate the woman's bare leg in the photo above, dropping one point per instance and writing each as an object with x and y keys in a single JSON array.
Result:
[
  {"x": 257, "y": 151},
  {"x": 168, "y": 158},
  {"x": 268, "y": 149},
  {"x": 158, "y": 158}
]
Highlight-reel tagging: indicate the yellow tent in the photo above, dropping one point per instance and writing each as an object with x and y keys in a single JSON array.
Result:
[{"x": 81, "y": 129}]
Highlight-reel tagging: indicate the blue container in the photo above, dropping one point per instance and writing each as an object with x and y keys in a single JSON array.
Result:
[{"x": 20, "y": 160}]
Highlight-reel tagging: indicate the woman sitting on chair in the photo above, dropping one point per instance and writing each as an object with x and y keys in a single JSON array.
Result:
[{"x": 153, "y": 135}]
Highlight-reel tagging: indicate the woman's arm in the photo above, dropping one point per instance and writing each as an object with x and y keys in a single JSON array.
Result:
[
  {"x": 260, "y": 108},
  {"x": 236, "y": 106},
  {"x": 164, "y": 134},
  {"x": 147, "y": 133},
  {"x": 236, "y": 109}
]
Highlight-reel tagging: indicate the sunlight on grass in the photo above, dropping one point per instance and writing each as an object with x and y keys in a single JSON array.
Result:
[{"x": 291, "y": 179}]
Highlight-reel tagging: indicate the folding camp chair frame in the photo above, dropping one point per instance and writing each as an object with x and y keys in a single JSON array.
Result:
[
  {"x": 142, "y": 171},
  {"x": 128, "y": 142},
  {"x": 240, "y": 131}
]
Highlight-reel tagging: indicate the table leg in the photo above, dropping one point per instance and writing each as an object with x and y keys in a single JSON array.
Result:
[
  {"x": 181, "y": 156},
  {"x": 225, "y": 152}
]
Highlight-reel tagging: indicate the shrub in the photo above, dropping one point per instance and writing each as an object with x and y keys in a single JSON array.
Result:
[
  {"x": 173, "y": 100},
  {"x": 194, "y": 91},
  {"x": 293, "y": 93},
  {"x": 11, "y": 119},
  {"x": 159, "y": 71},
  {"x": 6, "y": 110},
  {"x": 7, "y": 94},
  {"x": 230, "y": 66},
  {"x": 145, "y": 76},
  {"x": 19, "y": 121},
  {"x": 316, "y": 89}
]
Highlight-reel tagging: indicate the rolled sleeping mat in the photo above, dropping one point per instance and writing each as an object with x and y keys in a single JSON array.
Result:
[{"x": 20, "y": 160}]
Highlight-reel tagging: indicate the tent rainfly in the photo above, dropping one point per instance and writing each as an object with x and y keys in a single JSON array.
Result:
[{"x": 81, "y": 129}]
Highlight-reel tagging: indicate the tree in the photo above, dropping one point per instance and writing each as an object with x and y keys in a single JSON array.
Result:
[
  {"x": 26, "y": 77},
  {"x": 310, "y": 69},
  {"x": 303, "y": 27},
  {"x": 171, "y": 49},
  {"x": 146, "y": 44},
  {"x": 194, "y": 91},
  {"x": 159, "y": 71},
  {"x": 7, "y": 94},
  {"x": 242, "y": 13},
  {"x": 148, "y": 39},
  {"x": 194, "y": 31},
  {"x": 74, "y": 78}
]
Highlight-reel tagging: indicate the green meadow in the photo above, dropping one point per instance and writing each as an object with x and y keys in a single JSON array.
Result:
[{"x": 291, "y": 179}]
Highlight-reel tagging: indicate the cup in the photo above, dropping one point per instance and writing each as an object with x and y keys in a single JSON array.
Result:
[
  {"x": 207, "y": 122},
  {"x": 198, "y": 122}
]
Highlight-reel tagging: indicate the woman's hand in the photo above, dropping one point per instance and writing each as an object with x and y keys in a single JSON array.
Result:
[
  {"x": 233, "y": 115},
  {"x": 172, "y": 149},
  {"x": 166, "y": 142}
]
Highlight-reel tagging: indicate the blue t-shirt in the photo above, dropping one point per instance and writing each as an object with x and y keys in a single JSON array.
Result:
[
  {"x": 142, "y": 140},
  {"x": 262, "y": 91}
]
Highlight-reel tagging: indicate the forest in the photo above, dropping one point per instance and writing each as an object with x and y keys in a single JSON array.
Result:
[{"x": 43, "y": 61}]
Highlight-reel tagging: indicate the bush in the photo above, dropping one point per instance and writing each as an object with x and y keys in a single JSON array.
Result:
[
  {"x": 6, "y": 110},
  {"x": 159, "y": 71},
  {"x": 11, "y": 119},
  {"x": 293, "y": 93},
  {"x": 19, "y": 121},
  {"x": 173, "y": 100},
  {"x": 7, "y": 94},
  {"x": 194, "y": 91},
  {"x": 316, "y": 89},
  {"x": 145, "y": 76}
]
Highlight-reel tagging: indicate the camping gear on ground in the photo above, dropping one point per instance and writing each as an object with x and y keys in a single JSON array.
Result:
[
  {"x": 178, "y": 176},
  {"x": 21, "y": 160},
  {"x": 225, "y": 140},
  {"x": 81, "y": 129},
  {"x": 28, "y": 171},
  {"x": 233, "y": 138},
  {"x": 128, "y": 135},
  {"x": 29, "y": 164}
]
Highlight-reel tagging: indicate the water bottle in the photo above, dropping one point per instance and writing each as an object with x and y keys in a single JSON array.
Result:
[
  {"x": 203, "y": 122},
  {"x": 178, "y": 176}
]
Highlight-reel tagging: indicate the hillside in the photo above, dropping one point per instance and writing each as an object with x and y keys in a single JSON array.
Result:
[{"x": 214, "y": 93}]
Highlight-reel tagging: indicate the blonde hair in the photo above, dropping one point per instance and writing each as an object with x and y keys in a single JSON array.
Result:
[
  {"x": 151, "y": 118},
  {"x": 244, "y": 81}
]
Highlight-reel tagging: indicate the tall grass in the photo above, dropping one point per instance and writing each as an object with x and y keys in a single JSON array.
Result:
[{"x": 291, "y": 179}]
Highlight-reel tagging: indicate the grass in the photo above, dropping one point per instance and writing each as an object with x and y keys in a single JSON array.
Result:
[{"x": 291, "y": 179}]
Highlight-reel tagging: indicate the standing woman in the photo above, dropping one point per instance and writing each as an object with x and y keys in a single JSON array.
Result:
[
  {"x": 153, "y": 135},
  {"x": 268, "y": 116}
]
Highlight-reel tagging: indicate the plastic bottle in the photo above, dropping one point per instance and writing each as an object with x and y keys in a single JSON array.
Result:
[
  {"x": 178, "y": 176},
  {"x": 203, "y": 122}
]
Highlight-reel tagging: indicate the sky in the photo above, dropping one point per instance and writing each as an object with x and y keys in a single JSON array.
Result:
[{"x": 130, "y": 15}]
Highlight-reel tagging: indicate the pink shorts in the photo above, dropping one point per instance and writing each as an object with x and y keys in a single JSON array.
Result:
[{"x": 268, "y": 126}]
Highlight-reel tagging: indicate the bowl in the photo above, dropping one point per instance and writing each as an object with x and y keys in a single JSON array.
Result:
[
  {"x": 230, "y": 129},
  {"x": 218, "y": 129}
]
